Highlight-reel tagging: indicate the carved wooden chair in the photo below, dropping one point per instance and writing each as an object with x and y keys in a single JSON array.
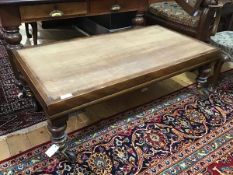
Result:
[
  {"x": 224, "y": 40},
  {"x": 196, "y": 18}
]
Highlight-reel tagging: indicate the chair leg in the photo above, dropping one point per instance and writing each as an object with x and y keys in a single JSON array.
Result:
[
  {"x": 34, "y": 32},
  {"x": 218, "y": 67},
  {"x": 230, "y": 26},
  {"x": 27, "y": 30}
]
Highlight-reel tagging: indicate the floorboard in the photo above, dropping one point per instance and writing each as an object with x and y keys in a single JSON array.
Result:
[
  {"x": 38, "y": 136},
  {"x": 4, "y": 150},
  {"x": 18, "y": 144}
]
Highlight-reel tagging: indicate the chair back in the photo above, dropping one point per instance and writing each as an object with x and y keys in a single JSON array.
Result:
[{"x": 190, "y": 6}]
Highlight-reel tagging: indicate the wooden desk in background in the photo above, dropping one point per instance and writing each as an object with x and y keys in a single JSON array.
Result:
[{"x": 15, "y": 12}]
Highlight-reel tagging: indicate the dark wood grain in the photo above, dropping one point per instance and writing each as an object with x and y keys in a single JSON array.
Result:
[{"x": 101, "y": 6}]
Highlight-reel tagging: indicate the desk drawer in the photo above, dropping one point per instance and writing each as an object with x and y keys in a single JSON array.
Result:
[
  {"x": 109, "y": 6},
  {"x": 49, "y": 11},
  {"x": 101, "y": 6},
  {"x": 131, "y": 5}
]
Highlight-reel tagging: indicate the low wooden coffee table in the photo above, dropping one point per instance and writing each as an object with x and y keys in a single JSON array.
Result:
[{"x": 67, "y": 76}]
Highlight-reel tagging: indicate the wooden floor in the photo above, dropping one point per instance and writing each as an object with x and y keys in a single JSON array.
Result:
[{"x": 18, "y": 143}]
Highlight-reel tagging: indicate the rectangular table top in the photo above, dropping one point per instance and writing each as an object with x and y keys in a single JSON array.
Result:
[{"x": 71, "y": 73}]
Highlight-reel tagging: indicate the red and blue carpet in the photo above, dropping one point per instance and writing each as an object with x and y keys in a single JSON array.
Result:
[
  {"x": 15, "y": 113},
  {"x": 181, "y": 133}
]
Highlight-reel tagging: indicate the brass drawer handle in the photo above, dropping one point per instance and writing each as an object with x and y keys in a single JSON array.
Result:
[
  {"x": 116, "y": 7},
  {"x": 56, "y": 13}
]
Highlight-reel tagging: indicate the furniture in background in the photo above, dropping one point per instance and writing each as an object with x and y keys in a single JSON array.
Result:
[
  {"x": 66, "y": 76},
  {"x": 90, "y": 25},
  {"x": 15, "y": 12},
  {"x": 224, "y": 40},
  {"x": 196, "y": 18}
]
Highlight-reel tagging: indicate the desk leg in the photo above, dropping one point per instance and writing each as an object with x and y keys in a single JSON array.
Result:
[
  {"x": 139, "y": 19},
  {"x": 10, "y": 22},
  {"x": 12, "y": 37},
  {"x": 57, "y": 129}
]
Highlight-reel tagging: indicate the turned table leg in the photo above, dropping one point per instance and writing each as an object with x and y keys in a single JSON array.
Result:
[
  {"x": 57, "y": 129},
  {"x": 12, "y": 37},
  {"x": 139, "y": 19},
  {"x": 202, "y": 79}
]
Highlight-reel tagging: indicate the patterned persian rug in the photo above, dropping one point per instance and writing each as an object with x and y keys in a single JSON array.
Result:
[
  {"x": 181, "y": 133},
  {"x": 15, "y": 113}
]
